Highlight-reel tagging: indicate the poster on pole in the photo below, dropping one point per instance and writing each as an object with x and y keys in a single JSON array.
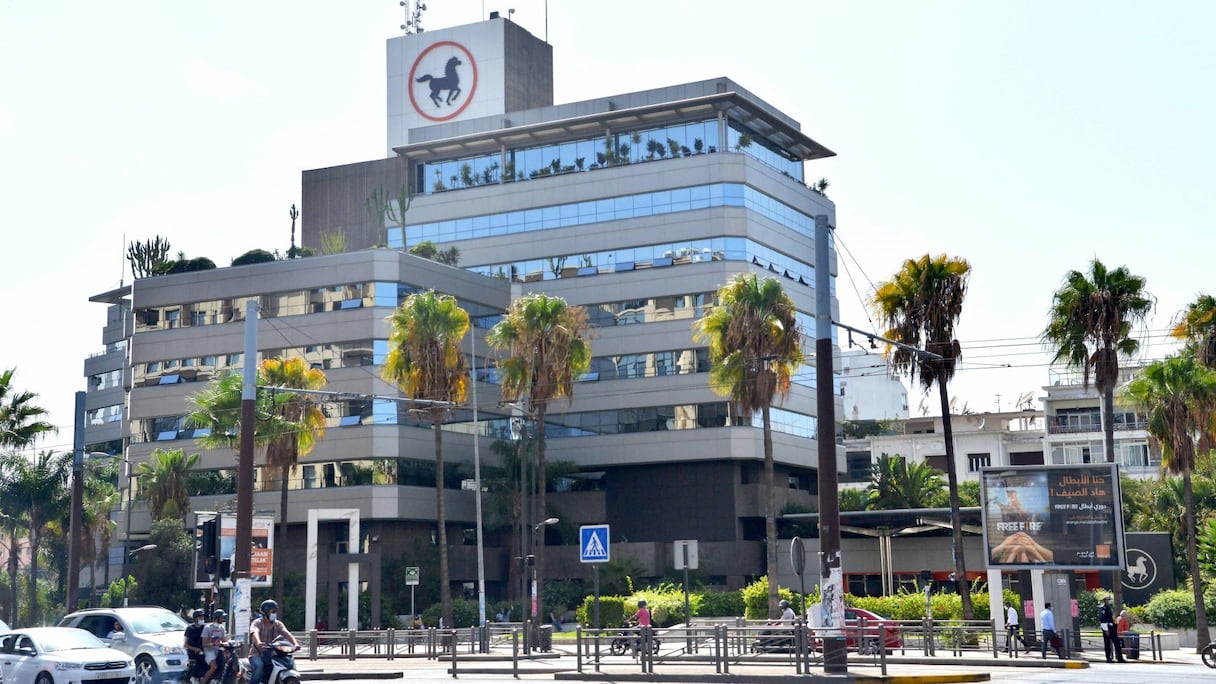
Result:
[{"x": 1061, "y": 517}]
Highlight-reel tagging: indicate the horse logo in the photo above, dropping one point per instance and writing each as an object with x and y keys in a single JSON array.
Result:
[
  {"x": 450, "y": 81},
  {"x": 1141, "y": 569},
  {"x": 450, "y": 94}
]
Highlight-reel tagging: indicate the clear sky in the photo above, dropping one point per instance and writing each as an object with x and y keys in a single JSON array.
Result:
[{"x": 1027, "y": 137}]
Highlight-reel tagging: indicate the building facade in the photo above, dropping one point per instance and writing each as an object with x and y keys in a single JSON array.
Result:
[
  {"x": 637, "y": 206},
  {"x": 1074, "y": 426}
]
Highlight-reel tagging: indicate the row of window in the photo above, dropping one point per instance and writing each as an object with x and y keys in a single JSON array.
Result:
[
  {"x": 105, "y": 380},
  {"x": 588, "y": 154},
  {"x": 585, "y": 424},
  {"x": 661, "y": 255},
  {"x": 295, "y": 303},
  {"x": 556, "y": 216},
  {"x": 1128, "y": 453}
]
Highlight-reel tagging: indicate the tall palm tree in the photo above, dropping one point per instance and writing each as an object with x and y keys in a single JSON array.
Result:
[
  {"x": 284, "y": 451},
  {"x": 426, "y": 362},
  {"x": 41, "y": 486},
  {"x": 547, "y": 347},
  {"x": 1198, "y": 328},
  {"x": 162, "y": 482},
  {"x": 1089, "y": 327},
  {"x": 289, "y": 424},
  {"x": 1179, "y": 395},
  {"x": 920, "y": 307},
  {"x": 900, "y": 483},
  {"x": 754, "y": 349},
  {"x": 21, "y": 421},
  {"x": 97, "y": 529}
]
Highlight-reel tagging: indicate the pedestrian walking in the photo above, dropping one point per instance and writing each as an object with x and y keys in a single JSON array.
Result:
[
  {"x": 1048, "y": 621},
  {"x": 1011, "y": 627},
  {"x": 1110, "y": 632}
]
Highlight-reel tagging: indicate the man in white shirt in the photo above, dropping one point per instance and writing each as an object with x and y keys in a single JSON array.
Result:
[{"x": 1011, "y": 627}]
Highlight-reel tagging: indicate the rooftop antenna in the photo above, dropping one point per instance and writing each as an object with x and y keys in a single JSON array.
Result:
[
  {"x": 122, "y": 272},
  {"x": 294, "y": 214},
  {"x": 413, "y": 16}
]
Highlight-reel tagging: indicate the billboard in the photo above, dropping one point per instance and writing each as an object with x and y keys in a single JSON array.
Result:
[
  {"x": 1065, "y": 517},
  {"x": 209, "y": 572}
]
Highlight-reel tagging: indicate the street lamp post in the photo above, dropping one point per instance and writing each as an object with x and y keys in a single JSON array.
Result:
[
  {"x": 538, "y": 539},
  {"x": 130, "y": 557}
]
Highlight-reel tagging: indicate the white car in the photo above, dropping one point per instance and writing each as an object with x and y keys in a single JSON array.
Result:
[
  {"x": 54, "y": 655},
  {"x": 153, "y": 636}
]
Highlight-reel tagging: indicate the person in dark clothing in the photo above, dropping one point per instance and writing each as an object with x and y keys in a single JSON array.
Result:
[
  {"x": 194, "y": 643},
  {"x": 1110, "y": 635}
]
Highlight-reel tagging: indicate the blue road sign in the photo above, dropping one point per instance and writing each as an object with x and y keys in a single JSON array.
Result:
[{"x": 593, "y": 544}]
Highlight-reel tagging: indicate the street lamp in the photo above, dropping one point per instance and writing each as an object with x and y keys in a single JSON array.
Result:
[
  {"x": 75, "y": 522},
  {"x": 131, "y": 557},
  {"x": 538, "y": 539}
]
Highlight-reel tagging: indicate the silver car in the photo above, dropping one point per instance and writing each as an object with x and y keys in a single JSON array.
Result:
[{"x": 154, "y": 637}]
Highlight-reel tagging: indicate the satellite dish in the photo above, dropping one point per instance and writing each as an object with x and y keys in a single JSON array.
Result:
[{"x": 1024, "y": 401}]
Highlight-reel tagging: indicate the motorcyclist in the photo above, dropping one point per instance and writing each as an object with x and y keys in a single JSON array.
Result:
[
  {"x": 265, "y": 630},
  {"x": 194, "y": 643}
]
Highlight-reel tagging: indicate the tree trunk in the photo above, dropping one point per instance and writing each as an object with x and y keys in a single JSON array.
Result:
[
  {"x": 280, "y": 544},
  {"x": 35, "y": 542},
  {"x": 1108, "y": 436},
  {"x": 770, "y": 514},
  {"x": 541, "y": 512},
  {"x": 1202, "y": 635},
  {"x": 14, "y": 550},
  {"x": 956, "y": 520},
  {"x": 441, "y": 519}
]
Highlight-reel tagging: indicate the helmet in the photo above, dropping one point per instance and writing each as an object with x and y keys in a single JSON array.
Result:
[
  {"x": 641, "y": 603},
  {"x": 783, "y": 603},
  {"x": 219, "y": 614},
  {"x": 269, "y": 605},
  {"x": 198, "y": 613}
]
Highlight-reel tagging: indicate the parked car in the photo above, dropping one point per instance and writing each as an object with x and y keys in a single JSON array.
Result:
[
  {"x": 863, "y": 629},
  {"x": 45, "y": 655},
  {"x": 151, "y": 635}
]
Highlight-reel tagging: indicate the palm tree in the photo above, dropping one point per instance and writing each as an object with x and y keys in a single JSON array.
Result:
[
  {"x": 1198, "y": 328},
  {"x": 162, "y": 482},
  {"x": 289, "y": 423},
  {"x": 97, "y": 529},
  {"x": 40, "y": 486},
  {"x": 426, "y": 362},
  {"x": 1090, "y": 328},
  {"x": 921, "y": 304},
  {"x": 284, "y": 451},
  {"x": 1179, "y": 395},
  {"x": 900, "y": 483},
  {"x": 754, "y": 349},
  {"x": 21, "y": 422},
  {"x": 547, "y": 348}
]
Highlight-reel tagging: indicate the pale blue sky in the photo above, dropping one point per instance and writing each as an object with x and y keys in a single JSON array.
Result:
[{"x": 1027, "y": 137}]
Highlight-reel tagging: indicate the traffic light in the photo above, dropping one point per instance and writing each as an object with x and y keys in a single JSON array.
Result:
[
  {"x": 225, "y": 568},
  {"x": 209, "y": 545}
]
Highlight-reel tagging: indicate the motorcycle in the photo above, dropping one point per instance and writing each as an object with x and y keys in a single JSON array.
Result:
[
  {"x": 234, "y": 671},
  {"x": 282, "y": 664},
  {"x": 1209, "y": 655},
  {"x": 626, "y": 641}
]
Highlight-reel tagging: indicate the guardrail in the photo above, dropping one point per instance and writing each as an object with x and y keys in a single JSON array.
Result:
[{"x": 722, "y": 645}]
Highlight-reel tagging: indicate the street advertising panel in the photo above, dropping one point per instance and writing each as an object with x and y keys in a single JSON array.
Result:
[
  {"x": 215, "y": 570},
  {"x": 1065, "y": 517}
]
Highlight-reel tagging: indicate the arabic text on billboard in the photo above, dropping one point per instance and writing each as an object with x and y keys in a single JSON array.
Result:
[{"x": 1053, "y": 516}]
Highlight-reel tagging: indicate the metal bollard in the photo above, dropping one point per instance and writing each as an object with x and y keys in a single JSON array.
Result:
[{"x": 455, "y": 651}]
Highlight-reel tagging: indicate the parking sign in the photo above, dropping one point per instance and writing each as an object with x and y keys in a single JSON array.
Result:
[{"x": 593, "y": 544}]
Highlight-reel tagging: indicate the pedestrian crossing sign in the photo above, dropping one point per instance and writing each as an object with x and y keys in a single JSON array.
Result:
[{"x": 593, "y": 544}]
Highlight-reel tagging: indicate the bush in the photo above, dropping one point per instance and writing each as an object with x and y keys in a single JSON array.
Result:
[
  {"x": 253, "y": 256},
  {"x": 719, "y": 604},
  {"x": 464, "y": 614},
  {"x": 1171, "y": 609},
  {"x": 612, "y": 611},
  {"x": 755, "y": 599}
]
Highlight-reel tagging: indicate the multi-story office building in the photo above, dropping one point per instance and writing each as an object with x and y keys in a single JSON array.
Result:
[{"x": 637, "y": 206}]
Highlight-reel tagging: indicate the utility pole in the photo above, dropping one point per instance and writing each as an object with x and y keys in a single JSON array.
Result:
[
  {"x": 75, "y": 524},
  {"x": 244, "y": 488},
  {"x": 831, "y": 578}
]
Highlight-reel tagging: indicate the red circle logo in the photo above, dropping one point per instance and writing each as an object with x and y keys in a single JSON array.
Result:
[{"x": 447, "y": 87}]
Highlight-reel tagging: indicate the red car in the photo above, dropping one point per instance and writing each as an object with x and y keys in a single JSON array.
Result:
[{"x": 863, "y": 629}]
